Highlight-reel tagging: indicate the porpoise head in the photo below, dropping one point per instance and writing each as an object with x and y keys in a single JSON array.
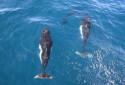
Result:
[{"x": 45, "y": 31}]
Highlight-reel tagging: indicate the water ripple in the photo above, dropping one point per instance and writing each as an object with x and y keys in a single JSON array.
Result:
[{"x": 3, "y": 10}]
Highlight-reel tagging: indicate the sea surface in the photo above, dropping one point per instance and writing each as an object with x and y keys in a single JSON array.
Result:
[{"x": 21, "y": 24}]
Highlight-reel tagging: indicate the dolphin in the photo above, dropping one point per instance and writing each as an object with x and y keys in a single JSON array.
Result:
[
  {"x": 65, "y": 18},
  {"x": 85, "y": 32},
  {"x": 85, "y": 28},
  {"x": 45, "y": 50}
]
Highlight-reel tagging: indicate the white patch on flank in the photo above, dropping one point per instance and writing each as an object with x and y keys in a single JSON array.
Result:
[
  {"x": 81, "y": 31},
  {"x": 40, "y": 53}
]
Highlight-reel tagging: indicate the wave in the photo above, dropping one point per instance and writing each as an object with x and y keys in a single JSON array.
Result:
[
  {"x": 37, "y": 19},
  {"x": 9, "y": 9}
]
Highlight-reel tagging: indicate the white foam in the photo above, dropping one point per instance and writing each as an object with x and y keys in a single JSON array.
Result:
[
  {"x": 80, "y": 28},
  {"x": 90, "y": 55},
  {"x": 35, "y": 19},
  {"x": 40, "y": 53},
  {"x": 50, "y": 77},
  {"x": 85, "y": 81},
  {"x": 83, "y": 55},
  {"x": 9, "y": 9}
]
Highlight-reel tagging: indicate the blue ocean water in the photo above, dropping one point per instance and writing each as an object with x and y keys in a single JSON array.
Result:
[{"x": 21, "y": 23}]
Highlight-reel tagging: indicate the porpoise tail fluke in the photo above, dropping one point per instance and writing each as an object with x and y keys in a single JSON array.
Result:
[{"x": 43, "y": 76}]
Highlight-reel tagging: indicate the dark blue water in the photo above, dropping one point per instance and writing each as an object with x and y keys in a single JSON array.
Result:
[{"x": 21, "y": 23}]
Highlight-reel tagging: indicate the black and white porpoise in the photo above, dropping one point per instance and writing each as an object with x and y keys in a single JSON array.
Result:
[
  {"x": 85, "y": 32},
  {"x": 45, "y": 50},
  {"x": 85, "y": 28},
  {"x": 65, "y": 19}
]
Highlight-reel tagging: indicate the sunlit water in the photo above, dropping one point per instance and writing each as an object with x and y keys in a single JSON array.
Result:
[{"x": 21, "y": 23}]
